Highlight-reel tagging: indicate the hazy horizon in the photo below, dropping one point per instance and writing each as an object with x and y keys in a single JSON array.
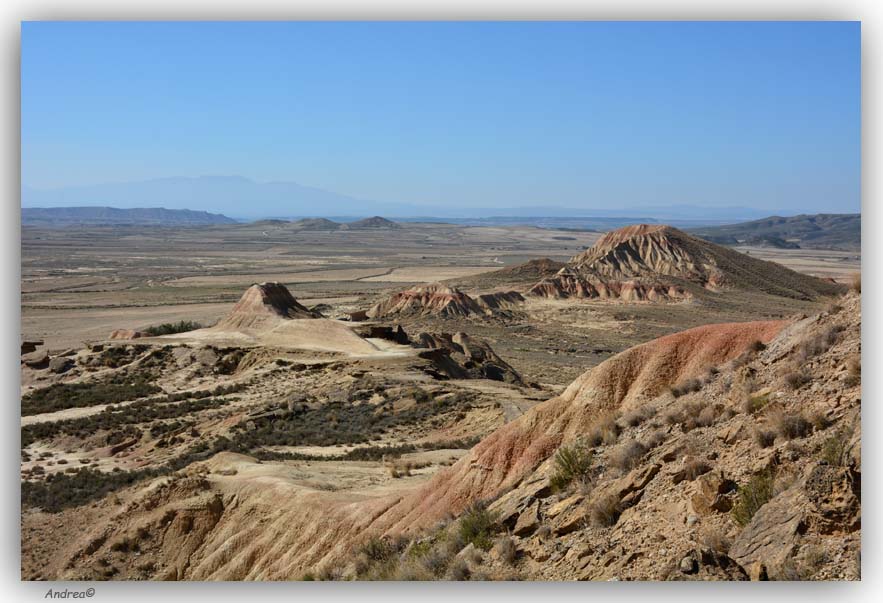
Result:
[{"x": 405, "y": 118}]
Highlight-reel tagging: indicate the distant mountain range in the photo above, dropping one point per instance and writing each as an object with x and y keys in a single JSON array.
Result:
[
  {"x": 313, "y": 224},
  {"x": 820, "y": 231},
  {"x": 112, "y": 216},
  {"x": 243, "y": 198}
]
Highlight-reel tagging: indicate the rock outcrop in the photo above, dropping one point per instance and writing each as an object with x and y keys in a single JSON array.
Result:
[
  {"x": 127, "y": 334},
  {"x": 460, "y": 356}
]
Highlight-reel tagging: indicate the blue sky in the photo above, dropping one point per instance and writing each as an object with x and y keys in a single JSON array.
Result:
[{"x": 762, "y": 115}]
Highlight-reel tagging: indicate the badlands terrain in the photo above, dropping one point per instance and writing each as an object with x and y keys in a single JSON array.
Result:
[{"x": 304, "y": 400}]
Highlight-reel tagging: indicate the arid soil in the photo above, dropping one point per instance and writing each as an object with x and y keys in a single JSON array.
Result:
[{"x": 352, "y": 428}]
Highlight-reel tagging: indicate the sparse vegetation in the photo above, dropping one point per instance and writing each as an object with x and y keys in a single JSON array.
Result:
[
  {"x": 169, "y": 328},
  {"x": 604, "y": 431},
  {"x": 855, "y": 283},
  {"x": 753, "y": 404},
  {"x": 506, "y": 549},
  {"x": 752, "y": 496},
  {"x": 572, "y": 462},
  {"x": 764, "y": 437},
  {"x": 477, "y": 525},
  {"x": 790, "y": 426},
  {"x": 715, "y": 539},
  {"x": 685, "y": 387},
  {"x": 61, "y": 396},
  {"x": 853, "y": 371},
  {"x": 795, "y": 379},
  {"x": 627, "y": 455},
  {"x": 695, "y": 467},
  {"x": 756, "y": 346},
  {"x": 835, "y": 448},
  {"x": 605, "y": 510}
]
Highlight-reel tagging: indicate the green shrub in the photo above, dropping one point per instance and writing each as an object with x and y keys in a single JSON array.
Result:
[
  {"x": 756, "y": 403},
  {"x": 572, "y": 462},
  {"x": 752, "y": 496},
  {"x": 476, "y": 526},
  {"x": 834, "y": 449},
  {"x": 61, "y": 396},
  {"x": 169, "y": 328}
]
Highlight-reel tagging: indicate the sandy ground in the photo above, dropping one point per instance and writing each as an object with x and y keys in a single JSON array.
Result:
[
  {"x": 427, "y": 274},
  {"x": 840, "y": 265}
]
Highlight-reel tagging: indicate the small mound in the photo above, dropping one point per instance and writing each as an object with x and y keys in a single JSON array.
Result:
[
  {"x": 435, "y": 299},
  {"x": 263, "y": 303},
  {"x": 373, "y": 222},
  {"x": 315, "y": 224}
]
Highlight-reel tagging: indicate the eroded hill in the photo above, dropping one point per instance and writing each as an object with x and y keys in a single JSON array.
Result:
[{"x": 724, "y": 452}]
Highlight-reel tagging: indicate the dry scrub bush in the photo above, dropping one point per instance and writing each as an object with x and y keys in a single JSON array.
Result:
[
  {"x": 764, "y": 438},
  {"x": 695, "y": 467},
  {"x": 715, "y": 539},
  {"x": 673, "y": 417},
  {"x": 818, "y": 344},
  {"x": 756, "y": 346},
  {"x": 833, "y": 308},
  {"x": 855, "y": 283},
  {"x": 627, "y": 455},
  {"x": 795, "y": 379},
  {"x": 460, "y": 571},
  {"x": 639, "y": 415},
  {"x": 605, "y": 431},
  {"x": 506, "y": 549},
  {"x": 685, "y": 387},
  {"x": 572, "y": 462},
  {"x": 655, "y": 439},
  {"x": 819, "y": 421},
  {"x": 853, "y": 371},
  {"x": 605, "y": 510},
  {"x": 790, "y": 426}
]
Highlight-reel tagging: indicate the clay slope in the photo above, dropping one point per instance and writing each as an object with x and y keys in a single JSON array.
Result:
[
  {"x": 499, "y": 301},
  {"x": 206, "y": 525},
  {"x": 569, "y": 282},
  {"x": 655, "y": 257},
  {"x": 510, "y": 454},
  {"x": 675, "y": 489}
]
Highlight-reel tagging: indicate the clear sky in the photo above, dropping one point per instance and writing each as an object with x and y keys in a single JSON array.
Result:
[{"x": 762, "y": 115}]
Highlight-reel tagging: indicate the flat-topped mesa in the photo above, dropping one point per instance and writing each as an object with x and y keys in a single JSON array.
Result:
[
  {"x": 435, "y": 299},
  {"x": 262, "y": 304}
]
